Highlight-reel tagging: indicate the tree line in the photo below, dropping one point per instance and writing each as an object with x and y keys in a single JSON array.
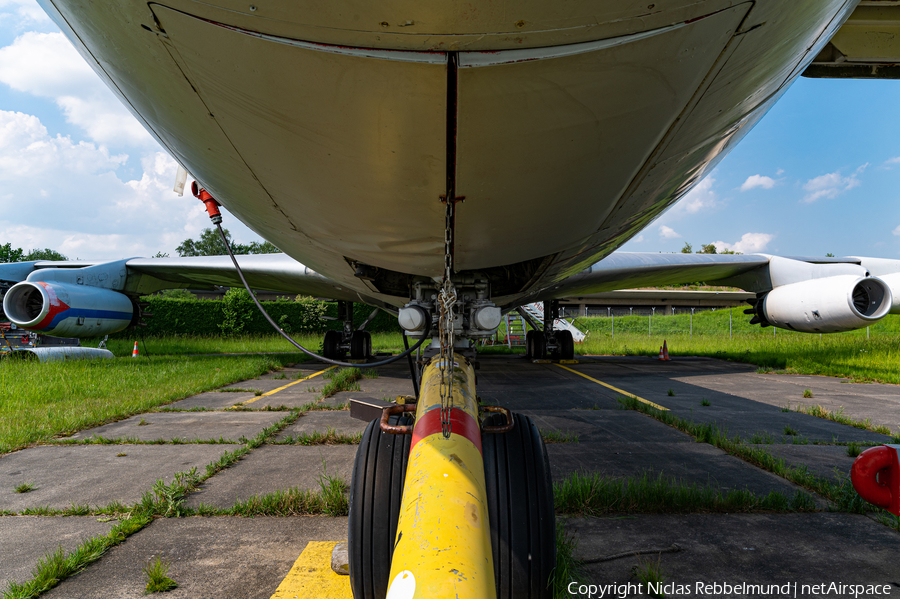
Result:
[{"x": 208, "y": 244}]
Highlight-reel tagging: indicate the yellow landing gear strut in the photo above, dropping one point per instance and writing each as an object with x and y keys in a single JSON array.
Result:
[
  {"x": 464, "y": 515},
  {"x": 443, "y": 543}
]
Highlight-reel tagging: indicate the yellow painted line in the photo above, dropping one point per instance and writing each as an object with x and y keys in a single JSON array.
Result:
[
  {"x": 274, "y": 391},
  {"x": 616, "y": 389},
  {"x": 312, "y": 576}
]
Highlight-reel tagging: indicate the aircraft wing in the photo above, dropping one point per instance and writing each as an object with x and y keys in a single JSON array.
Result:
[{"x": 867, "y": 46}]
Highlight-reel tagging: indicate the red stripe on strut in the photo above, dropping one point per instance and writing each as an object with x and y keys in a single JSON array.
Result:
[{"x": 461, "y": 423}]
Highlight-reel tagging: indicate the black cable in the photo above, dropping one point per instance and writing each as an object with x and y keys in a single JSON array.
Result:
[
  {"x": 412, "y": 369},
  {"x": 300, "y": 347}
]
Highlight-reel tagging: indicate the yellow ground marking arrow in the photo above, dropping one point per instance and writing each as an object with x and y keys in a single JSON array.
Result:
[
  {"x": 274, "y": 391},
  {"x": 312, "y": 576},
  {"x": 616, "y": 389}
]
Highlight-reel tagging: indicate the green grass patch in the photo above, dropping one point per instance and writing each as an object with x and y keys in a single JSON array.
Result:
[
  {"x": 840, "y": 417},
  {"x": 705, "y": 402},
  {"x": 596, "y": 495},
  {"x": 156, "y": 574},
  {"x": 567, "y": 569},
  {"x": 329, "y": 437},
  {"x": 24, "y": 488},
  {"x": 341, "y": 379},
  {"x": 45, "y": 400},
  {"x": 559, "y": 437},
  {"x": 330, "y": 500}
]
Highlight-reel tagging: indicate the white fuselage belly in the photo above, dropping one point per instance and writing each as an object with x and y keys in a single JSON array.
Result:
[{"x": 325, "y": 128}]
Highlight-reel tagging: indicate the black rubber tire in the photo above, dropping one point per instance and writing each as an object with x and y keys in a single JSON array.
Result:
[
  {"x": 538, "y": 346},
  {"x": 520, "y": 510},
  {"x": 360, "y": 345},
  {"x": 566, "y": 345},
  {"x": 376, "y": 490},
  {"x": 331, "y": 345},
  {"x": 529, "y": 343}
]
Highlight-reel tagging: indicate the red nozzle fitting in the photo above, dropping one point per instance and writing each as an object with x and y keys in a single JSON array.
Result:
[{"x": 212, "y": 206}]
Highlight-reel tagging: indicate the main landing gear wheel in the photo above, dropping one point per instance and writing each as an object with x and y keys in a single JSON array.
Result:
[
  {"x": 520, "y": 510},
  {"x": 566, "y": 345},
  {"x": 535, "y": 345},
  {"x": 360, "y": 345},
  {"x": 375, "y": 493},
  {"x": 331, "y": 345}
]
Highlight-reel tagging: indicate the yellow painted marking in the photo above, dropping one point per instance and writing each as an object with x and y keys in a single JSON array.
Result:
[
  {"x": 312, "y": 576},
  {"x": 274, "y": 391},
  {"x": 616, "y": 389}
]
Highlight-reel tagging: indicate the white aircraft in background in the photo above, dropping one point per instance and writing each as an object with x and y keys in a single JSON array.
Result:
[{"x": 381, "y": 145}]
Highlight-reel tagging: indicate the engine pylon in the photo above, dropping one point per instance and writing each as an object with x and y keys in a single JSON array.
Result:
[{"x": 443, "y": 544}]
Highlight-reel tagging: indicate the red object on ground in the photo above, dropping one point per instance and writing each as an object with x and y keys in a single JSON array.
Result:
[
  {"x": 665, "y": 351},
  {"x": 134, "y": 352},
  {"x": 876, "y": 477}
]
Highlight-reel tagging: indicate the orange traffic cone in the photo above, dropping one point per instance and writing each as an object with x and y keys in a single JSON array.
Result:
[
  {"x": 665, "y": 351},
  {"x": 661, "y": 357},
  {"x": 134, "y": 353}
]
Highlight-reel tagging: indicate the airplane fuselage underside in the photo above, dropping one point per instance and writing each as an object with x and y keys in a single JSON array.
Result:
[{"x": 334, "y": 129}]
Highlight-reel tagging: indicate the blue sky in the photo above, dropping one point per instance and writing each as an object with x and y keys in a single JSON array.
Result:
[{"x": 820, "y": 173}]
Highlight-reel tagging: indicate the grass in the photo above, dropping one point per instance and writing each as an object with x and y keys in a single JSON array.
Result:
[
  {"x": 45, "y": 400},
  {"x": 567, "y": 569},
  {"x": 559, "y": 437},
  {"x": 705, "y": 402},
  {"x": 329, "y": 437},
  {"x": 807, "y": 393},
  {"x": 789, "y": 431},
  {"x": 596, "y": 495},
  {"x": 25, "y": 488},
  {"x": 156, "y": 575},
  {"x": 840, "y": 417},
  {"x": 853, "y": 450},
  {"x": 651, "y": 575},
  {"x": 341, "y": 379},
  {"x": 671, "y": 393},
  {"x": 330, "y": 500}
]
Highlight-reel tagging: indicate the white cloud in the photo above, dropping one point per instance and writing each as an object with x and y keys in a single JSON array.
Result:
[
  {"x": 67, "y": 195},
  {"x": 896, "y": 231},
  {"x": 47, "y": 65},
  {"x": 758, "y": 181},
  {"x": 831, "y": 185},
  {"x": 779, "y": 172},
  {"x": 18, "y": 14},
  {"x": 640, "y": 238},
  {"x": 667, "y": 232},
  {"x": 895, "y": 160},
  {"x": 750, "y": 243},
  {"x": 701, "y": 197}
]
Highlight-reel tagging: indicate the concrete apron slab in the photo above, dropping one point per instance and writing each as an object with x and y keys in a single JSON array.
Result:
[
  {"x": 96, "y": 475},
  {"x": 27, "y": 539},
  {"x": 189, "y": 426},
  {"x": 275, "y": 467},
  {"x": 825, "y": 461},
  {"x": 736, "y": 548},
  {"x": 213, "y": 400},
  {"x": 695, "y": 463},
  {"x": 209, "y": 557},
  {"x": 320, "y": 422}
]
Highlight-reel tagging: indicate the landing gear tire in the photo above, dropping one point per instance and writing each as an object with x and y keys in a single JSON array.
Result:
[
  {"x": 566, "y": 345},
  {"x": 331, "y": 345},
  {"x": 520, "y": 510},
  {"x": 360, "y": 345},
  {"x": 536, "y": 349},
  {"x": 376, "y": 489}
]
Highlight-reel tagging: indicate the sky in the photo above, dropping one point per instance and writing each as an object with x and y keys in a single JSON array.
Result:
[{"x": 820, "y": 173}]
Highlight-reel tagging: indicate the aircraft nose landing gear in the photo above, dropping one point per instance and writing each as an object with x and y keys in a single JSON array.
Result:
[{"x": 357, "y": 343}]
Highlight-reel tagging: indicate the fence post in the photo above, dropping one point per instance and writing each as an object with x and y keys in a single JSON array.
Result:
[{"x": 650, "y": 323}]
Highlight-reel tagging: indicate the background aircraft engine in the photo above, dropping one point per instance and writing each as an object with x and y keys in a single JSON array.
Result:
[
  {"x": 827, "y": 305},
  {"x": 66, "y": 310}
]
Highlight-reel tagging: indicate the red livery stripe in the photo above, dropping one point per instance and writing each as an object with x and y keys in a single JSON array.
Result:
[{"x": 461, "y": 423}]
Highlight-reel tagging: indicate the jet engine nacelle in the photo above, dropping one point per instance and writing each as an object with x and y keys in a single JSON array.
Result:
[
  {"x": 67, "y": 310},
  {"x": 827, "y": 305}
]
